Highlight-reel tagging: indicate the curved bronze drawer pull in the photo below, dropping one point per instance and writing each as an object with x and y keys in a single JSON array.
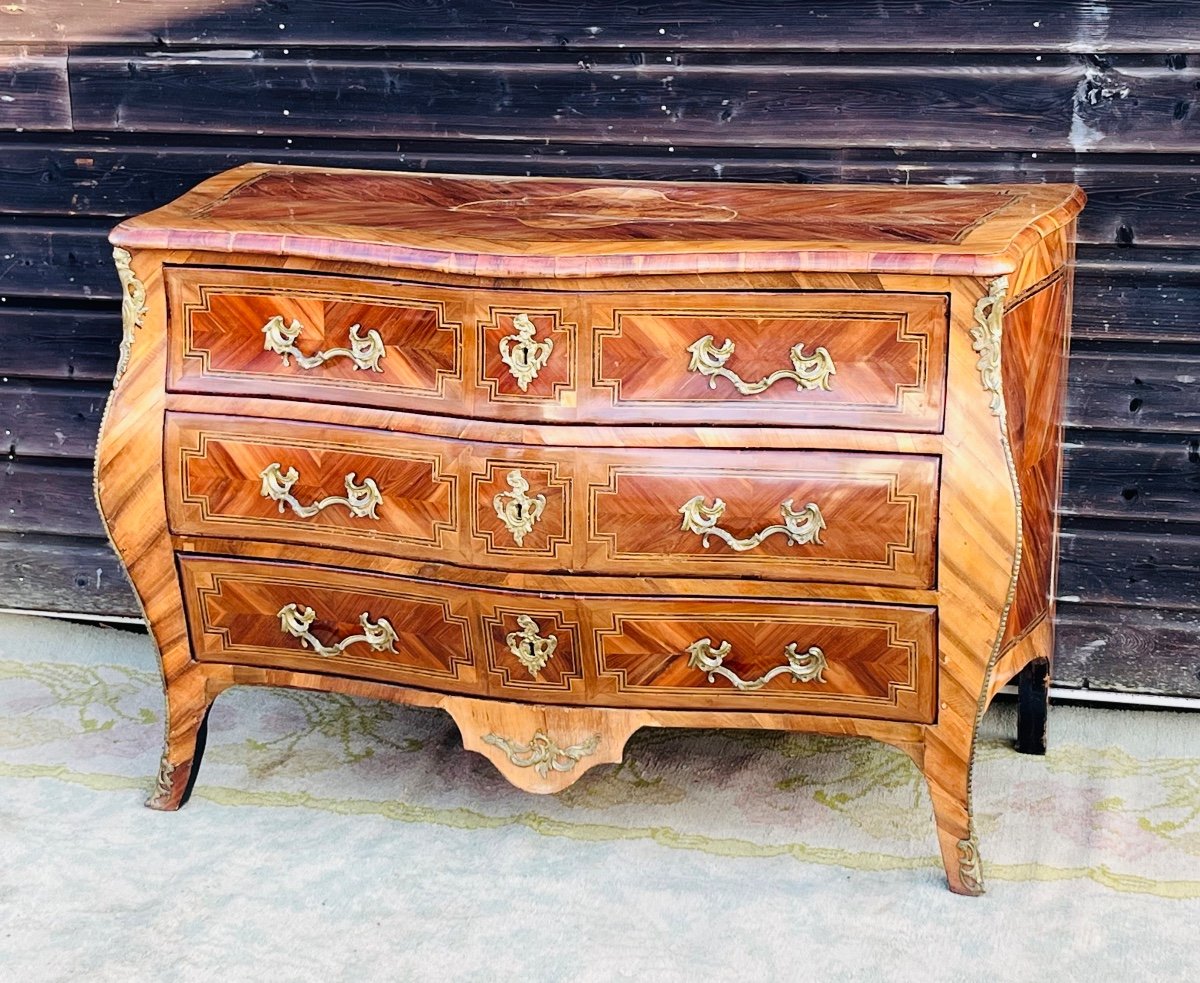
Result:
[
  {"x": 807, "y": 371},
  {"x": 804, "y": 667},
  {"x": 522, "y": 353},
  {"x": 799, "y": 527},
  {"x": 364, "y": 352},
  {"x": 362, "y": 500},
  {"x": 381, "y": 636}
]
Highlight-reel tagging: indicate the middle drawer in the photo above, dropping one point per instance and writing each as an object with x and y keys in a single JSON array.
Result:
[{"x": 810, "y": 515}]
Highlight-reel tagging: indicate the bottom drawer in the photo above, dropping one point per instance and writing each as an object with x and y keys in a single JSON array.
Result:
[
  {"x": 653, "y": 652},
  {"x": 313, "y": 619},
  {"x": 848, "y": 659}
]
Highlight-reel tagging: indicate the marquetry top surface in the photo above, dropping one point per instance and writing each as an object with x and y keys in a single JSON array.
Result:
[{"x": 566, "y": 227}]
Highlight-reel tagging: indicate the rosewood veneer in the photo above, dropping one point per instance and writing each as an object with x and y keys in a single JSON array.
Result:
[{"x": 570, "y": 458}]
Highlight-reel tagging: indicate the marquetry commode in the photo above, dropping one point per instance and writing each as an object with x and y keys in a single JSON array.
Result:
[{"x": 570, "y": 458}]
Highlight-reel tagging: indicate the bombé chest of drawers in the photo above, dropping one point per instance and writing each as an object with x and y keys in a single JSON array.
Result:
[{"x": 570, "y": 458}]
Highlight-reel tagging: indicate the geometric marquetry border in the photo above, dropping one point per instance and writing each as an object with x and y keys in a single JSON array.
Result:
[
  {"x": 921, "y": 664},
  {"x": 199, "y": 451},
  {"x": 501, "y": 542},
  {"x": 901, "y": 391},
  {"x": 459, "y": 657},
  {"x": 189, "y": 351},
  {"x": 562, "y": 333},
  {"x": 910, "y": 502},
  {"x": 501, "y": 620}
]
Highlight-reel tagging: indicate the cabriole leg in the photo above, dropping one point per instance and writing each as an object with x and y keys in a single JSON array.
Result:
[
  {"x": 1033, "y": 704},
  {"x": 188, "y": 705},
  {"x": 946, "y": 773}
]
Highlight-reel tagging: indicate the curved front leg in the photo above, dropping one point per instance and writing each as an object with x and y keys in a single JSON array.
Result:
[
  {"x": 188, "y": 706},
  {"x": 947, "y": 773}
]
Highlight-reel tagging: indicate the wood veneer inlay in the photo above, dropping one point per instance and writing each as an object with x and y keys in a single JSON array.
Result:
[{"x": 570, "y": 458}]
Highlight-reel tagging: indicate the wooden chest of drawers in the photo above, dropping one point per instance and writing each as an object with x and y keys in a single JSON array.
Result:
[{"x": 568, "y": 458}]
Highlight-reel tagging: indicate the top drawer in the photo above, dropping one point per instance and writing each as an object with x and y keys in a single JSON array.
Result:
[
  {"x": 313, "y": 337},
  {"x": 815, "y": 358},
  {"x": 812, "y": 359}
]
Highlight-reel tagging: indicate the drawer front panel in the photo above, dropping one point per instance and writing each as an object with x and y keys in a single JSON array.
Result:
[
  {"x": 873, "y": 361},
  {"x": 804, "y": 656},
  {"x": 504, "y": 354},
  {"x": 290, "y": 617},
  {"x": 315, "y": 337},
  {"x": 817, "y": 516},
  {"x": 417, "y": 497},
  {"x": 816, "y": 359},
  {"x": 787, "y": 515},
  {"x": 305, "y": 483},
  {"x": 864, "y": 660}
]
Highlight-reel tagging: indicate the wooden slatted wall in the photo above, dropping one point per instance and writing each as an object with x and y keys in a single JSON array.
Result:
[{"x": 110, "y": 109}]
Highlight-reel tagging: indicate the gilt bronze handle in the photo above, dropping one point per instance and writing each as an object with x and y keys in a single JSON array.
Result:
[
  {"x": 803, "y": 667},
  {"x": 808, "y": 371},
  {"x": 362, "y": 500},
  {"x": 381, "y": 636},
  {"x": 800, "y": 527},
  {"x": 364, "y": 351}
]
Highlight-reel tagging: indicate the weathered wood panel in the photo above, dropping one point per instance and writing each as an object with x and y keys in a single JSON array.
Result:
[
  {"x": 1132, "y": 479},
  {"x": 59, "y": 343},
  {"x": 1149, "y": 304},
  {"x": 71, "y": 260},
  {"x": 1021, "y": 91},
  {"x": 47, "y": 574},
  {"x": 48, "y": 498},
  {"x": 1132, "y": 199},
  {"x": 1131, "y": 650},
  {"x": 1131, "y": 390},
  {"x": 1132, "y": 569},
  {"x": 34, "y": 93},
  {"x": 833, "y": 25},
  {"x": 988, "y": 102},
  {"x": 43, "y": 419}
]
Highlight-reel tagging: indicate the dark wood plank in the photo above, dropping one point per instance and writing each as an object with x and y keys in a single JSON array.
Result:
[
  {"x": 40, "y": 419},
  {"x": 60, "y": 343},
  {"x": 834, "y": 25},
  {"x": 1139, "y": 199},
  {"x": 721, "y": 99},
  {"x": 34, "y": 92},
  {"x": 1131, "y": 390},
  {"x": 1130, "y": 650},
  {"x": 1150, "y": 304},
  {"x": 1133, "y": 479},
  {"x": 48, "y": 498},
  {"x": 65, "y": 259},
  {"x": 41, "y": 573},
  {"x": 1134, "y": 569}
]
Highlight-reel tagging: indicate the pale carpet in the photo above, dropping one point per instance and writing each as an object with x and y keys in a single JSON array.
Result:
[{"x": 335, "y": 839}]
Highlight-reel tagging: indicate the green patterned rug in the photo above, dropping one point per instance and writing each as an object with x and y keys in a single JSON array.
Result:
[{"x": 330, "y": 838}]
